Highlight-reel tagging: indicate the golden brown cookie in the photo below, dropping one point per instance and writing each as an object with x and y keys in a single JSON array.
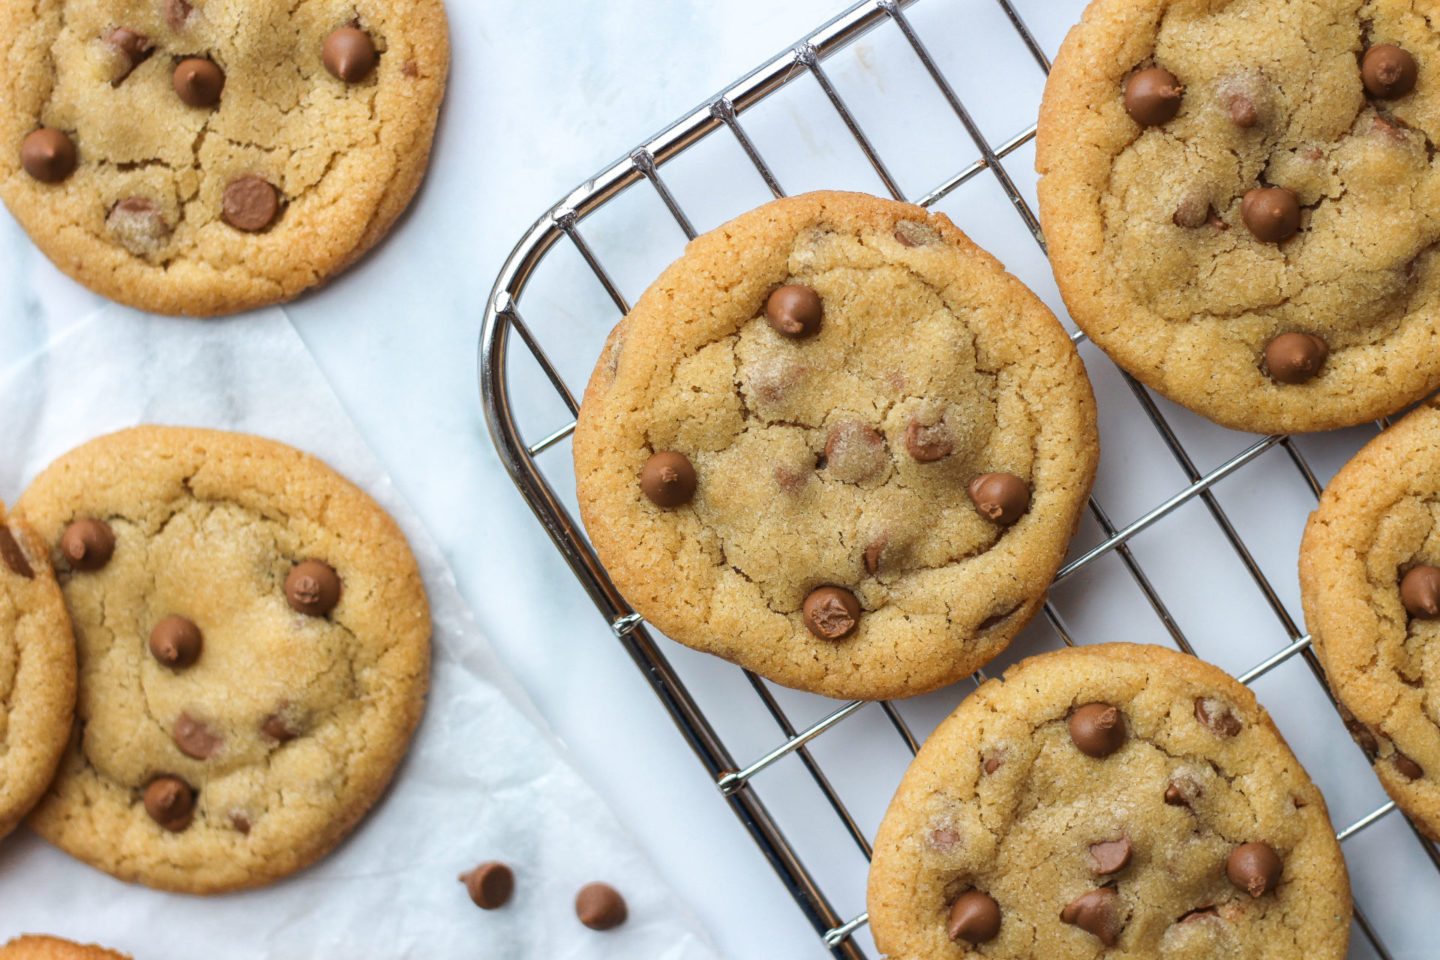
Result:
[
  {"x": 1370, "y": 588},
  {"x": 254, "y": 654},
  {"x": 1240, "y": 203},
  {"x": 209, "y": 156},
  {"x": 1119, "y": 800},
  {"x": 37, "y": 947},
  {"x": 838, "y": 444},
  {"x": 37, "y": 671}
]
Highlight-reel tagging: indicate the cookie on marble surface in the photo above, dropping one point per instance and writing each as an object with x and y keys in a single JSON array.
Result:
[
  {"x": 209, "y": 156},
  {"x": 254, "y": 654},
  {"x": 38, "y": 947},
  {"x": 1117, "y": 800},
  {"x": 1371, "y": 590},
  {"x": 839, "y": 445},
  {"x": 1240, "y": 203},
  {"x": 37, "y": 671}
]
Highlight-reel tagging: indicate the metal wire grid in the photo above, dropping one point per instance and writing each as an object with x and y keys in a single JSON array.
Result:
[{"x": 503, "y": 317}]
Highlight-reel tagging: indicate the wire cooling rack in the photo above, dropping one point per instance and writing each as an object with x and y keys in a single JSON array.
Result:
[{"x": 1201, "y": 491}]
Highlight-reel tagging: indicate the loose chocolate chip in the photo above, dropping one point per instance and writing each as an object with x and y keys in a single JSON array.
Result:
[
  {"x": 854, "y": 452},
  {"x": 1152, "y": 96},
  {"x": 349, "y": 54},
  {"x": 1217, "y": 717},
  {"x": 928, "y": 442},
  {"x": 170, "y": 803},
  {"x": 1272, "y": 214},
  {"x": 250, "y": 204},
  {"x": 490, "y": 884},
  {"x": 1408, "y": 768},
  {"x": 795, "y": 311},
  {"x": 668, "y": 479},
  {"x": 1109, "y": 857},
  {"x": 194, "y": 739},
  {"x": 312, "y": 587},
  {"x": 974, "y": 918},
  {"x": 131, "y": 49},
  {"x": 1098, "y": 729},
  {"x": 1000, "y": 497},
  {"x": 1388, "y": 71},
  {"x": 1097, "y": 913},
  {"x": 874, "y": 550},
  {"x": 176, "y": 642},
  {"x": 600, "y": 906},
  {"x": 1420, "y": 591},
  {"x": 48, "y": 155},
  {"x": 1295, "y": 357},
  {"x": 278, "y": 728},
  {"x": 177, "y": 12},
  {"x": 831, "y": 613},
  {"x": 88, "y": 544},
  {"x": 198, "y": 82},
  {"x": 13, "y": 556},
  {"x": 1254, "y": 868}
]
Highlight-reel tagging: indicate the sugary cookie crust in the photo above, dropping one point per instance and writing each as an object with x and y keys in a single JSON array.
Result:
[
  {"x": 1189, "y": 309},
  {"x": 1379, "y": 517},
  {"x": 918, "y": 322},
  {"x": 346, "y": 158},
  {"x": 207, "y": 526},
  {"x": 37, "y": 947},
  {"x": 37, "y": 675},
  {"x": 1000, "y": 799}
]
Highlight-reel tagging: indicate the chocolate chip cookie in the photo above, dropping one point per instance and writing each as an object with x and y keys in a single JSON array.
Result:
[
  {"x": 1241, "y": 206},
  {"x": 1370, "y": 586},
  {"x": 37, "y": 671},
  {"x": 35, "y": 947},
  {"x": 209, "y": 156},
  {"x": 254, "y": 650},
  {"x": 838, "y": 444},
  {"x": 1115, "y": 800}
]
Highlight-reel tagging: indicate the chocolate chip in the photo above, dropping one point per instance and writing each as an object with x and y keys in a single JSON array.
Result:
[
  {"x": 312, "y": 587},
  {"x": 251, "y": 204},
  {"x": 1193, "y": 210},
  {"x": 992, "y": 764},
  {"x": 668, "y": 479},
  {"x": 1363, "y": 736},
  {"x": 194, "y": 739},
  {"x": 1097, "y": 913},
  {"x": 928, "y": 442},
  {"x": 170, "y": 803},
  {"x": 278, "y": 727},
  {"x": 1389, "y": 129},
  {"x": 1152, "y": 96},
  {"x": 943, "y": 838},
  {"x": 1408, "y": 768},
  {"x": 1217, "y": 717},
  {"x": 138, "y": 224},
  {"x": 1001, "y": 498},
  {"x": 198, "y": 82},
  {"x": 1295, "y": 357},
  {"x": 1388, "y": 71},
  {"x": 13, "y": 556},
  {"x": 854, "y": 452},
  {"x": 1098, "y": 729},
  {"x": 1199, "y": 913},
  {"x": 1254, "y": 867},
  {"x": 1213, "y": 219},
  {"x": 349, "y": 54},
  {"x": 240, "y": 822},
  {"x": 48, "y": 155},
  {"x": 176, "y": 642},
  {"x": 1420, "y": 591},
  {"x": 795, "y": 311},
  {"x": 974, "y": 918},
  {"x": 1109, "y": 857},
  {"x": 831, "y": 613},
  {"x": 177, "y": 12},
  {"x": 410, "y": 69},
  {"x": 1242, "y": 110},
  {"x": 874, "y": 550},
  {"x": 131, "y": 50},
  {"x": 913, "y": 233},
  {"x": 490, "y": 884},
  {"x": 600, "y": 906},
  {"x": 1272, "y": 214},
  {"x": 87, "y": 544},
  {"x": 1183, "y": 791}
]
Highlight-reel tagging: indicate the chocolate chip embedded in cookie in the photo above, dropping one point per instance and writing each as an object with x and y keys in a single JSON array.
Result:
[
  {"x": 841, "y": 447},
  {"x": 1388, "y": 71},
  {"x": 1058, "y": 854},
  {"x": 242, "y": 710},
  {"x": 48, "y": 155},
  {"x": 1152, "y": 96},
  {"x": 198, "y": 82}
]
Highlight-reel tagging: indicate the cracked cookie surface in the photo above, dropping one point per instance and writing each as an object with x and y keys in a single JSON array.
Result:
[
  {"x": 1378, "y": 522},
  {"x": 37, "y": 671},
  {"x": 1154, "y": 252},
  {"x": 37, "y": 947},
  {"x": 1187, "y": 830},
  {"x": 819, "y": 526},
  {"x": 241, "y": 750},
  {"x": 151, "y": 214}
]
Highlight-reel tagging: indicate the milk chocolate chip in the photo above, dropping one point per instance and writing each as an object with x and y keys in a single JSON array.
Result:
[
  {"x": 668, "y": 479},
  {"x": 1388, "y": 71},
  {"x": 1152, "y": 96},
  {"x": 198, "y": 82},
  {"x": 312, "y": 587},
  {"x": 1000, "y": 497},
  {"x": 1216, "y": 716},
  {"x": 1109, "y": 857},
  {"x": 600, "y": 906},
  {"x": 48, "y": 155},
  {"x": 1182, "y": 791},
  {"x": 831, "y": 613},
  {"x": 1272, "y": 214},
  {"x": 131, "y": 49},
  {"x": 195, "y": 739},
  {"x": 490, "y": 884},
  {"x": 1420, "y": 591},
  {"x": 928, "y": 442},
  {"x": 349, "y": 54},
  {"x": 87, "y": 544},
  {"x": 1408, "y": 768},
  {"x": 13, "y": 556},
  {"x": 1254, "y": 868},
  {"x": 170, "y": 803},
  {"x": 138, "y": 224},
  {"x": 177, "y": 12},
  {"x": 974, "y": 918},
  {"x": 251, "y": 204},
  {"x": 1097, "y": 913},
  {"x": 1098, "y": 729},
  {"x": 795, "y": 311},
  {"x": 176, "y": 642},
  {"x": 278, "y": 728},
  {"x": 1295, "y": 357},
  {"x": 874, "y": 550}
]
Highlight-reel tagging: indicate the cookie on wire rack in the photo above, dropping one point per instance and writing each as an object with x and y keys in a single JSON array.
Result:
[
  {"x": 838, "y": 444},
  {"x": 1115, "y": 800}
]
